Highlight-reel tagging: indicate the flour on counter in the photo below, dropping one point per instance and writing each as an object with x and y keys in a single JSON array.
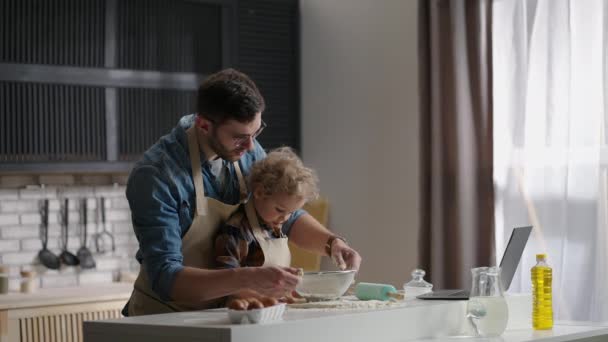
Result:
[{"x": 347, "y": 303}]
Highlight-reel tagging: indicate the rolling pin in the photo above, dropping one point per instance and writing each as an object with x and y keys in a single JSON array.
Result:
[{"x": 369, "y": 291}]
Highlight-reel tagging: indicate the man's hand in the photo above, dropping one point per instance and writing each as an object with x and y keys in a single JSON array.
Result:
[
  {"x": 272, "y": 281},
  {"x": 344, "y": 256}
]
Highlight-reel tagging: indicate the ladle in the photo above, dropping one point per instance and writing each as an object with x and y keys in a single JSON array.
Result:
[
  {"x": 66, "y": 257},
  {"x": 46, "y": 257},
  {"x": 84, "y": 254}
]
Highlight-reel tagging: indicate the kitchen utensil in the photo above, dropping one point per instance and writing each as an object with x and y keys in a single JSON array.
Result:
[
  {"x": 371, "y": 291},
  {"x": 325, "y": 285},
  {"x": 66, "y": 257},
  {"x": 84, "y": 254},
  {"x": 46, "y": 257},
  {"x": 105, "y": 235}
]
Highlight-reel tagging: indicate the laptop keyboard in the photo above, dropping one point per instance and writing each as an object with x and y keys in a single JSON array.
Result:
[{"x": 448, "y": 293}]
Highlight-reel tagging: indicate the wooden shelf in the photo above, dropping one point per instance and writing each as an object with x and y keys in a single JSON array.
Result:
[{"x": 65, "y": 296}]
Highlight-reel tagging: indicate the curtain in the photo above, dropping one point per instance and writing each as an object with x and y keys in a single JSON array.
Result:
[
  {"x": 550, "y": 107},
  {"x": 457, "y": 224}
]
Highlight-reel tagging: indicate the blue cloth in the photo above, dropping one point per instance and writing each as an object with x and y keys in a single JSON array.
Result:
[{"x": 161, "y": 196}]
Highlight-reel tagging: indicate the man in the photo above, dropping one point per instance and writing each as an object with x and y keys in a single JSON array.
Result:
[{"x": 187, "y": 184}]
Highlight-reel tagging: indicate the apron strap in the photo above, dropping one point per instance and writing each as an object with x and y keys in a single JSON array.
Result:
[
  {"x": 242, "y": 184},
  {"x": 276, "y": 251},
  {"x": 258, "y": 232},
  {"x": 197, "y": 174}
]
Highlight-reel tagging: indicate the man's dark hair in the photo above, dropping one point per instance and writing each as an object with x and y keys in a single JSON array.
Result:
[{"x": 229, "y": 94}]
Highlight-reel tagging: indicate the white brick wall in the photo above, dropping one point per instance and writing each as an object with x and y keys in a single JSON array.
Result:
[
  {"x": 19, "y": 258},
  {"x": 9, "y": 219},
  {"x": 30, "y": 245},
  {"x": 58, "y": 281},
  {"x": 20, "y": 226},
  {"x": 9, "y": 246},
  {"x": 19, "y": 232},
  {"x": 22, "y": 206},
  {"x": 109, "y": 263},
  {"x": 118, "y": 215},
  {"x": 97, "y": 277},
  {"x": 119, "y": 203},
  {"x": 37, "y": 193},
  {"x": 6, "y": 194},
  {"x": 120, "y": 227}
]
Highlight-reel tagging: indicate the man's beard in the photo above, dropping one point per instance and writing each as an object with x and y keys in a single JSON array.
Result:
[{"x": 221, "y": 150}]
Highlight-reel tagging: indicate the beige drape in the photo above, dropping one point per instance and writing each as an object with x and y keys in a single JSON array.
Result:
[{"x": 457, "y": 226}]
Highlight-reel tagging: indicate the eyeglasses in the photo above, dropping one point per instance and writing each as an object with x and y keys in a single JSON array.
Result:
[{"x": 241, "y": 140}]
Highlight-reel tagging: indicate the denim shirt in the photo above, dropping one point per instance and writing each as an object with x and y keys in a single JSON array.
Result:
[{"x": 161, "y": 196}]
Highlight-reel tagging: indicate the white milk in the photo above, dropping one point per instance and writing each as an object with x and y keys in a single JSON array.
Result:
[{"x": 491, "y": 312}]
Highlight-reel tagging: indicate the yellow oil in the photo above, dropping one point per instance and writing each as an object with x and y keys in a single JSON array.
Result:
[{"x": 542, "y": 306}]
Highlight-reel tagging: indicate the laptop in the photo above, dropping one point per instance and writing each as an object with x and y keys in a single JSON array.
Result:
[{"x": 508, "y": 266}]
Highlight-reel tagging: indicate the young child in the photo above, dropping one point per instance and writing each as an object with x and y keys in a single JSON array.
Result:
[{"x": 253, "y": 235}]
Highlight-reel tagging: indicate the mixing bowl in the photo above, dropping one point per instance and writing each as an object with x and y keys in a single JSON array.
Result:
[{"x": 325, "y": 285}]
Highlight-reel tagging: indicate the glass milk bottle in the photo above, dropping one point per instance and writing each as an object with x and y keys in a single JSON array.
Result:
[{"x": 487, "y": 308}]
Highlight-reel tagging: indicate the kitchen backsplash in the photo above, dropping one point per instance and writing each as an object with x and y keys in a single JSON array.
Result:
[{"x": 20, "y": 222}]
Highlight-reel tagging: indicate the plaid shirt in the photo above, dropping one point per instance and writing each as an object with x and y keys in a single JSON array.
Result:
[{"x": 235, "y": 244}]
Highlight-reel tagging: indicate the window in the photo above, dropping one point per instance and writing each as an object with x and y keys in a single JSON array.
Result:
[{"x": 551, "y": 95}]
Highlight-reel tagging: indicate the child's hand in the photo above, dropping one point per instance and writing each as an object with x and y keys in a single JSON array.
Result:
[{"x": 344, "y": 256}]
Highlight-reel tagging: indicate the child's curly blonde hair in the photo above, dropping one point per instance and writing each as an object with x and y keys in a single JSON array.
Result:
[{"x": 282, "y": 171}]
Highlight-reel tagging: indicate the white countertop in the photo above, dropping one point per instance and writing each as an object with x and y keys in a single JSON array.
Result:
[
  {"x": 409, "y": 321},
  {"x": 560, "y": 332}
]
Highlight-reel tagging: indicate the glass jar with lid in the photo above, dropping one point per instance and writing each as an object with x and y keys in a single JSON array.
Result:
[{"x": 417, "y": 285}]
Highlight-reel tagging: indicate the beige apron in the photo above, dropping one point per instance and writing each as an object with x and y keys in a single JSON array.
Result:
[
  {"x": 197, "y": 244},
  {"x": 276, "y": 251}
]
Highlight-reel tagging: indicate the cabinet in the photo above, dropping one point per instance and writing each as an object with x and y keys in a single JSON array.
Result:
[
  {"x": 88, "y": 86},
  {"x": 57, "y": 314}
]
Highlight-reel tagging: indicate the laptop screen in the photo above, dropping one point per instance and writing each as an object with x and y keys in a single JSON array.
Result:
[{"x": 513, "y": 253}]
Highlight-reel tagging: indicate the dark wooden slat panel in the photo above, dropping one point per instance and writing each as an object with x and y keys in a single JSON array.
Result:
[
  {"x": 34, "y": 124},
  {"x": 268, "y": 52},
  {"x": 3, "y": 124},
  {"x": 151, "y": 113},
  {"x": 49, "y": 122},
  {"x": 44, "y": 110},
  {"x": 58, "y": 32},
  {"x": 176, "y": 36},
  {"x": 63, "y": 42},
  {"x": 21, "y": 122}
]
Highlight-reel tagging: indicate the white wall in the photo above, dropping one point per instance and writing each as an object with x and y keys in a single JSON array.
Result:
[
  {"x": 360, "y": 125},
  {"x": 20, "y": 224}
]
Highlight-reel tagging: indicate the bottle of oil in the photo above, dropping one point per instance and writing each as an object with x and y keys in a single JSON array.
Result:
[{"x": 542, "y": 306}]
